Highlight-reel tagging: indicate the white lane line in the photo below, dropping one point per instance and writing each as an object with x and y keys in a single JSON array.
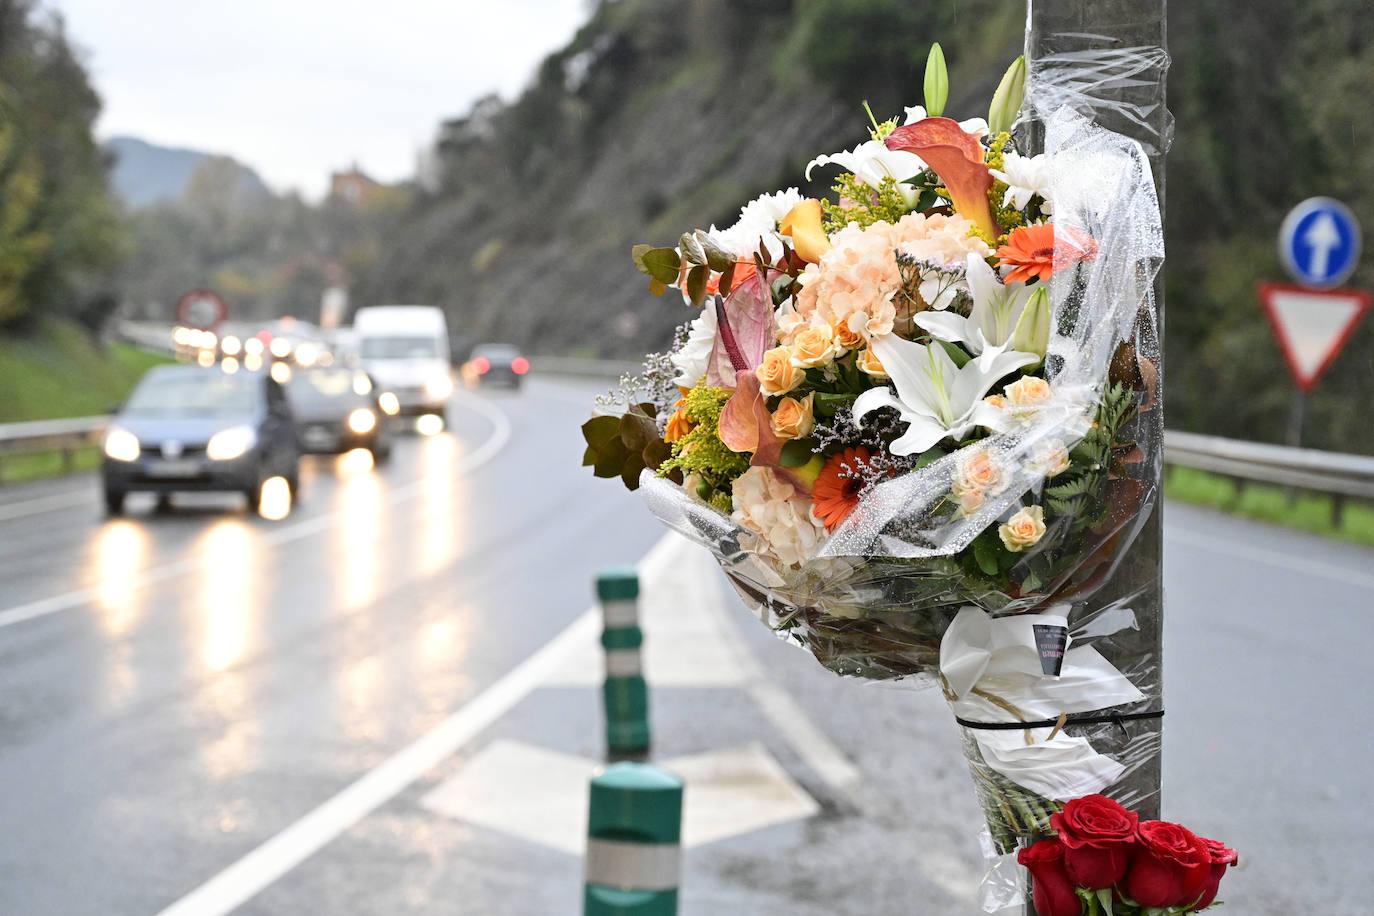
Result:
[
  {"x": 1268, "y": 557},
  {"x": 283, "y": 852},
  {"x": 41, "y": 504},
  {"x": 466, "y": 464},
  {"x": 265, "y": 864}
]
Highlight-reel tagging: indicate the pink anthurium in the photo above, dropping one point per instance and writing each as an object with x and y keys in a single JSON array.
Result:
[{"x": 957, "y": 157}]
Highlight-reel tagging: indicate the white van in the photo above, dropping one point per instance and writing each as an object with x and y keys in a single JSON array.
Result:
[{"x": 406, "y": 349}]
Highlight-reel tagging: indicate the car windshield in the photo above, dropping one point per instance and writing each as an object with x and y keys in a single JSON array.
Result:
[
  {"x": 194, "y": 394},
  {"x": 497, "y": 351},
  {"x": 400, "y": 348},
  {"x": 317, "y": 386}
]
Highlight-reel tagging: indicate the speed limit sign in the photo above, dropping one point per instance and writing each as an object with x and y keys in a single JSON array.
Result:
[{"x": 201, "y": 308}]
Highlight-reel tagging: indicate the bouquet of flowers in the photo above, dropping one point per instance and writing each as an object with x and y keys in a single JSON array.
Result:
[{"x": 918, "y": 424}]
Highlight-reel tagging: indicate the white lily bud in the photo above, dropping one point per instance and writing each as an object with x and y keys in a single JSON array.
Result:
[
  {"x": 1006, "y": 102},
  {"x": 937, "y": 82},
  {"x": 1032, "y": 333}
]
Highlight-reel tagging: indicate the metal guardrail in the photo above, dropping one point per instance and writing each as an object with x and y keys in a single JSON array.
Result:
[
  {"x": 1340, "y": 475},
  {"x": 66, "y": 437}
]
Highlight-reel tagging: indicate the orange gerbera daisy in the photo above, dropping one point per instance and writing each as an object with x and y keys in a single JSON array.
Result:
[
  {"x": 1030, "y": 252},
  {"x": 835, "y": 493}
]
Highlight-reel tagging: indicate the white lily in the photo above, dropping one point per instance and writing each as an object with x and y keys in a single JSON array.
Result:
[
  {"x": 1025, "y": 177},
  {"x": 978, "y": 127},
  {"x": 935, "y": 397},
  {"x": 997, "y": 307},
  {"x": 871, "y": 162}
]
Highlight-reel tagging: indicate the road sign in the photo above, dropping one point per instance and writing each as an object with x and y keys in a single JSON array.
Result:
[
  {"x": 1319, "y": 242},
  {"x": 201, "y": 308},
  {"x": 1312, "y": 326}
]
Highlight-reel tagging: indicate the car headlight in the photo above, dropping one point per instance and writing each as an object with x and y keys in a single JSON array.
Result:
[
  {"x": 121, "y": 445},
  {"x": 362, "y": 421},
  {"x": 390, "y": 404},
  {"x": 441, "y": 386},
  {"x": 228, "y": 444}
]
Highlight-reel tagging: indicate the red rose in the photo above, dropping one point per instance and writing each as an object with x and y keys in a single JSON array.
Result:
[
  {"x": 1098, "y": 836},
  {"x": 1223, "y": 857},
  {"x": 1171, "y": 865},
  {"x": 1054, "y": 892}
]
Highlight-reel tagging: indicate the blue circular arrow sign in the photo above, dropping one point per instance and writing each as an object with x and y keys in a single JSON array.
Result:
[{"x": 1319, "y": 242}]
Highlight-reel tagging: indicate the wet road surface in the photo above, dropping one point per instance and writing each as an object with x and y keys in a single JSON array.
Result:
[{"x": 185, "y": 692}]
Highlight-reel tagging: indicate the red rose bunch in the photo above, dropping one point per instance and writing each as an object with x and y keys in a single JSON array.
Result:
[{"x": 1103, "y": 850}]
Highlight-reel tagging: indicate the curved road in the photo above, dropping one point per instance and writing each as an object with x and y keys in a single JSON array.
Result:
[{"x": 178, "y": 689}]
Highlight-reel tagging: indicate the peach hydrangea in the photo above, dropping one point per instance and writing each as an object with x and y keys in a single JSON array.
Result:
[
  {"x": 778, "y": 515},
  {"x": 854, "y": 284}
]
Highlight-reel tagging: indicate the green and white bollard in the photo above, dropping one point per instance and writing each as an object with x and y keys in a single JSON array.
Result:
[
  {"x": 624, "y": 694},
  {"x": 634, "y": 842}
]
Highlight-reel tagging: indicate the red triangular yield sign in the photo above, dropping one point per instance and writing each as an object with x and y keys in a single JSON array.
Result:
[{"x": 1312, "y": 325}]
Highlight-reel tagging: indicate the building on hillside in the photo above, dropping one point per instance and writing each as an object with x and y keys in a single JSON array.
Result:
[{"x": 353, "y": 187}]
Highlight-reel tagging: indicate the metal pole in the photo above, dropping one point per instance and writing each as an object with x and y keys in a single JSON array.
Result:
[{"x": 1057, "y": 34}]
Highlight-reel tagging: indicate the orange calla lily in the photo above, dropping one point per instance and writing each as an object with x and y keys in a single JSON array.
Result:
[
  {"x": 957, "y": 157},
  {"x": 803, "y": 224}
]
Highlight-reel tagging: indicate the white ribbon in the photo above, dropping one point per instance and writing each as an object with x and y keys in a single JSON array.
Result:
[{"x": 1003, "y": 660}]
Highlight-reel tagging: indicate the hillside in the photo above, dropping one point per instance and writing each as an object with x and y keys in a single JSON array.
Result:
[
  {"x": 661, "y": 116},
  {"x": 144, "y": 173},
  {"x": 657, "y": 117}
]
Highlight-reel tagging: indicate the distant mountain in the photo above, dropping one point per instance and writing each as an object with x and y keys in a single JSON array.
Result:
[{"x": 145, "y": 174}]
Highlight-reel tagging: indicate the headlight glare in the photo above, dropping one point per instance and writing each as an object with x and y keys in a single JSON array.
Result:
[
  {"x": 121, "y": 445},
  {"x": 362, "y": 421},
  {"x": 228, "y": 444},
  {"x": 441, "y": 386}
]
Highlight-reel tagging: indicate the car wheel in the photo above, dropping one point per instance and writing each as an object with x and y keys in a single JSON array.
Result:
[
  {"x": 253, "y": 495},
  {"x": 381, "y": 454},
  {"x": 114, "y": 502}
]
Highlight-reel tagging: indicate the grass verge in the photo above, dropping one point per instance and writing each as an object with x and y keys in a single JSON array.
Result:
[
  {"x": 1269, "y": 503},
  {"x": 60, "y": 371}
]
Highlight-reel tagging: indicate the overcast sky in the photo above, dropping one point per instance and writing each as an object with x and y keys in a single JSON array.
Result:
[{"x": 297, "y": 88}]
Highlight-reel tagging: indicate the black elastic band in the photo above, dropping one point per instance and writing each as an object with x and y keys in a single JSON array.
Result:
[{"x": 1118, "y": 719}]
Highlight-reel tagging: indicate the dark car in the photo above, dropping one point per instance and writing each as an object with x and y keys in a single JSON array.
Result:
[
  {"x": 187, "y": 428},
  {"x": 495, "y": 364},
  {"x": 338, "y": 409}
]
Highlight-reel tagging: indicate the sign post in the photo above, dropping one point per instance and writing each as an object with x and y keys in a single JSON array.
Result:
[
  {"x": 1319, "y": 245},
  {"x": 203, "y": 309}
]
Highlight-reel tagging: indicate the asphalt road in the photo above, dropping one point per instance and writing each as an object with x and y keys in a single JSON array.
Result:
[{"x": 202, "y": 710}]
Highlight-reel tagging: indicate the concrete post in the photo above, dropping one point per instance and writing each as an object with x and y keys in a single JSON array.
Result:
[{"x": 1057, "y": 33}]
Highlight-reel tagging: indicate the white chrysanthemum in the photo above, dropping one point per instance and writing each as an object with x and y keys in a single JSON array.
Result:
[
  {"x": 695, "y": 356},
  {"x": 778, "y": 515},
  {"x": 1025, "y": 177},
  {"x": 758, "y": 221}
]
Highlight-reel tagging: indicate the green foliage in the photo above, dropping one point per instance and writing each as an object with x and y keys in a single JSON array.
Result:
[
  {"x": 624, "y": 446},
  {"x": 861, "y": 204},
  {"x": 1078, "y": 494},
  {"x": 59, "y": 234},
  {"x": 701, "y": 451},
  {"x": 23, "y": 243}
]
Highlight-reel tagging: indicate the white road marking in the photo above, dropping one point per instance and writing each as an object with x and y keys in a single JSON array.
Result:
[
  {"x": 285, "y": 534},
  {"x": 1268, "y": 557},
  {"x": 540, "y": 796},
  {"x": 41, "y": 504},
  {"x": 283, "y": 852}
]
